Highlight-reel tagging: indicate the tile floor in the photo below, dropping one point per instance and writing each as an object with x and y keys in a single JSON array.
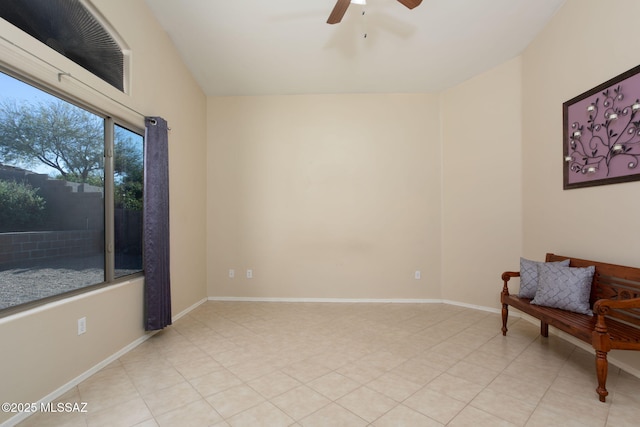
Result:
[{"x": 321, "y": 364}]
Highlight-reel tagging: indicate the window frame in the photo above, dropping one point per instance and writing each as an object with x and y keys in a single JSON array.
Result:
[
  {"x": 109, "y": 193},
  {"x": 27, "y": 59}
]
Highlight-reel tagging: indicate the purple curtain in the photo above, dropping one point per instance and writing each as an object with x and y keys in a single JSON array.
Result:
[{"x": 157, "y": 278}]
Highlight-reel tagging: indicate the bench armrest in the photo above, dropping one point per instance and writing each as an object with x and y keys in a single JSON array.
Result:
[
  {"x": 506, "y": 276},
  {"x": 602, "y": 306}
]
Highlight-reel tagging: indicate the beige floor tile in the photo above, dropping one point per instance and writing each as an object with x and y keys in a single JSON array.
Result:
[
  {"x": 252, "y": 369},
  {"x": 503, "y": 406},
  {"x": 402, "y": 416},
  {"x": 214, "y": 345},
  {"x": 366, "y": 403},
  {"x": 60, "y": 419},
  {"x": 628, "y": 385},
  {"x": 198, "y": 413},
  {"x": 384, "y": 359},
  {"x": 491, "y": 361},
  {"x": 274, "y": 384},
  {"x": 436, "y": 360},
  {"x": 576, "y": 386},
  {"x": 523, "y": 389},
  {"x": 333, "y": 359},
  {"x": 418, "y": 370},
  {"x": 106, "y": 389},
  {"x": 196, "y": 368},
  {"x": 129, "y": 413},
  {"x": 455, "y": 387},
  {"x": 394, "y": 386},
  {"x": 148, "y": 423},
  {"x": 149, "y": 377},
  {"x": 232, "y": 357},
  {"x": 72, "y": 396},
  {"x": 333, "y": 385},
  {"x": 171, "y": 398},
  {"x": 314, "y": 364},
  {"x": 473, "y": 373},
  {"x": 235, "y": 400},
  {"x": 624, "y": 411},
  {"x": 570, "y": 411},
  {"x": 437, "y": 406},
  {"x": 306, "y": 370},
  {"x": 333, "y": 415},
  {"x": 360, "y": 373},
  {"x": 547, "y": 417},
  {"x": 300, "y": 402},
  {"x": 183, "y": 353},
  {"x": 215, "y": 382},
  {"x": 531, "y": 369},
  {"x": 265, "y": 415},
  {"x": 473, "y": 417},
  {"x": 148, "y": 350}
]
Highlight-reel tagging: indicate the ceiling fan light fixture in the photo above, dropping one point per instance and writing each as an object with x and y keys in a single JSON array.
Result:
[{"x": 362, "y": 2}]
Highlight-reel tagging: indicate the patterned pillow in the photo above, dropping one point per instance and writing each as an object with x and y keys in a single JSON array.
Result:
[
  {"x": 529, "y": 276},
  {"x": 567, "y": 288}
]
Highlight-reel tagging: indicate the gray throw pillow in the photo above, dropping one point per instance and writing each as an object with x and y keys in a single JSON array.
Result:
[
  {"x": 567, "y": 288},
  {"x": 529, "y": 276}
]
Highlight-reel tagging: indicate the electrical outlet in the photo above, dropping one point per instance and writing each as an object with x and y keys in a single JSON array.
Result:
[
  {"x": 249, "y": 274},
  {"x": 232, "y": 273},
  {"x": 417, "y": 275},
  {"x": 82, "y": 325}
]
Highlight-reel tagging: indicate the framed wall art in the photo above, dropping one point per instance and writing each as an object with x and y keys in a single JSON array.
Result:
[{"x": 602, "y": 133}]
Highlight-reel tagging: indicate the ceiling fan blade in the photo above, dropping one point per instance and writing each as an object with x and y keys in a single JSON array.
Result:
[
  {"x": 411, "y": 3},
  {"x": 338, "y": 11}
]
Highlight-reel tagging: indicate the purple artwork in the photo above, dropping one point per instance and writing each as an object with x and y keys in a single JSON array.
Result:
[{"x": 602, "y": 133}]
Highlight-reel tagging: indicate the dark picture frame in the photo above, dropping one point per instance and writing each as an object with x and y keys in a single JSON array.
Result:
[{"x": 601, "y": 129}]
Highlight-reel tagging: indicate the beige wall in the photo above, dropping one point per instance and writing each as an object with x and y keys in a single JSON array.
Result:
[
  {"x": 325, "y": 196},
  {"x": 482, "y": 186},
  {"x": 587, "y": 43},
  {"x": 41, "y": 351}
]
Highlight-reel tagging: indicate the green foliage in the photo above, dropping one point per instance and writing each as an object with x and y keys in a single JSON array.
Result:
[
  {"x": 128, "y": 169},
  {"x": 71, "y": 140},
  {"x": 55, "y": 133},
  {"x": 128, "y": 195},
  {"x": 21, "y": 208}
]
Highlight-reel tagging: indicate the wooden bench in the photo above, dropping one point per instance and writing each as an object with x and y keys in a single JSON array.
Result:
[{"x": 615, "y": 300}]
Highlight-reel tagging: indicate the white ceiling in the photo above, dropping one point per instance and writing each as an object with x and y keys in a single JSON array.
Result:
[{"x": 264, "y": 47}]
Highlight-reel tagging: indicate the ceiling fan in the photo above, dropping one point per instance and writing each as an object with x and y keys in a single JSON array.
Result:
[{"x": 341, "y": 7}]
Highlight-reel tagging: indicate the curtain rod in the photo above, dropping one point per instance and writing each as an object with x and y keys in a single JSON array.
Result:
[{"x": 62, "y": 73}]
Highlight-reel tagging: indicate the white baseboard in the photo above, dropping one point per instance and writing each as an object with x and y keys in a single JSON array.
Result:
[
  {"x": 360, "y": 300},
  {"x": 188, "y": 309},
  {"x": 77, "y": 380},
  {"x": 331, "y": 300},
  {"x": 472, "y": 306}
]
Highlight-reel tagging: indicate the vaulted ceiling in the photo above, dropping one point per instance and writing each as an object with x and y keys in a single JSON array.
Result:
[{"x": 262, "y": 47}]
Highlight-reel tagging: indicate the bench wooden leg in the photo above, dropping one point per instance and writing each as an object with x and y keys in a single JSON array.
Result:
[
  {"x": 602, "y": 366},
  {"x": 544, "y": 329},
  {"x": 505, "y": 315}
]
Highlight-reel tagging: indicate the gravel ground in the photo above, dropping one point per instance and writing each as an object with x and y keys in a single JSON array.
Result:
[{"x": 24, "y": 284}]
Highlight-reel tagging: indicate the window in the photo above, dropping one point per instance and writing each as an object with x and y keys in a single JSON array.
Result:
[
  {"x": 128, "y": 186},
  {"x": 70, "y": 217},
  {"x": 71, "y": 29}
]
